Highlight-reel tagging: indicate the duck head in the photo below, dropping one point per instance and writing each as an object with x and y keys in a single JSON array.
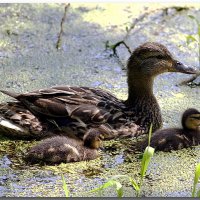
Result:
[
  {"x": 92, "y": 139},
  {"x": 146, "y": 62},
  {"x": 152, "y": 59},
  {"x": 191, "y": 119}
]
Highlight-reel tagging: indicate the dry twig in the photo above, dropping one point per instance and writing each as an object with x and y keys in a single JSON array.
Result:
[{"x": 58, "y": 44}]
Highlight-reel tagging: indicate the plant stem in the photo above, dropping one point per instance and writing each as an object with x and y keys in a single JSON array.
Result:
[
  {"x": 193, "y": 191},
  {"x": 140, "y": 185}
]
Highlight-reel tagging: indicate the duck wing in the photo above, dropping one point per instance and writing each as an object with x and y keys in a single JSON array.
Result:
[
  {"x": 72, "y": 110},
  {"x": 18, "y": 122},
  {"x": 80, "y": 103}
]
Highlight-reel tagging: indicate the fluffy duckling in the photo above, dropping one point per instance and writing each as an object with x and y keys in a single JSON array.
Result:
[
  {"x": 59, "y": 149},
  {"x": 77, "y": 109},
  {"x": 178, "y": 138}
]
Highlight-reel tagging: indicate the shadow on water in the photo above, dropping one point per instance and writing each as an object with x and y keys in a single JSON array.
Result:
[{"x": 29, "y": 60}]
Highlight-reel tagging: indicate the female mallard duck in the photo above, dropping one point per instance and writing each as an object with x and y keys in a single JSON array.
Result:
[
  {"x": 59, "y": 149},
  {"x": 178, "y": 138},
  {"x": 77, "y": 109}
]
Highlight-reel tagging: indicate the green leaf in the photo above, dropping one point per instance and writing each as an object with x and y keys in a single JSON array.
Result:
[
  {"x": 104, "y": 186},
  {"x": 134, "y": 184},
  {"x": 197, "y": 173},
  {"x": 190, "y": 39},
  {"x": 148, "y": 153},
  {"x": 196, "y": 179},
  {"x": 111, "y": 183},
  {"x": 119, "y": 189},
  {"x": 65, "y": 188}
]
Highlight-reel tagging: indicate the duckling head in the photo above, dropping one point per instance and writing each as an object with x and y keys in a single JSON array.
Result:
[
  {"x": 191, "y": 119},
  {"x": 92, "y": 139}
]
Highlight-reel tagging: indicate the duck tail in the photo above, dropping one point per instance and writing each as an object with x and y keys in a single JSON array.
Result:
[{"x": 11, "y": 94}]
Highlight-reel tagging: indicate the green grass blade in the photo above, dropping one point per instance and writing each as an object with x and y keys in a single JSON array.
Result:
[
  {"x": 196, "y": 179},
  {"x": 148, "y": 154},
  {"x": 197, "y": 173},
  {"x": 111, "y": 183},
  {"x": 150, "y": 133},
  {"x": 134, "y": 184},
  {"x": 104, "y": 186},
  {"x": 65, "y": 188},
  {"x": 119, "y": 189},
  {"x": 119, "y": 186}
]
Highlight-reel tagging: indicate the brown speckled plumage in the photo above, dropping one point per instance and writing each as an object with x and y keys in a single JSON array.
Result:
[
  {"x": 77, "y": 109},
  {"x": 59, "y": 149}
]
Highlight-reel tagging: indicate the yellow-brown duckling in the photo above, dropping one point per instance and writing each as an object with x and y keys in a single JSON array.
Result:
[
  {"x": 78, "y": 109},
  {"x": 59, "y": 149},
  {"x": 178, "y": 138}
]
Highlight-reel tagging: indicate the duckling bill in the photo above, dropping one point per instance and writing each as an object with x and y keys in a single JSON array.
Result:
[
  {"x": 64, "y": 149},
  {"x": 78, "y": 109},
  {"x": 178, "y": 138}
]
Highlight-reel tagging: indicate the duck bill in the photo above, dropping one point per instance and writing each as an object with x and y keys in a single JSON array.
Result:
[{"x": 180, "y": 67}]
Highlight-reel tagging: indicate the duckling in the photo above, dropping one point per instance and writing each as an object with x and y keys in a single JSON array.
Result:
[
  {"x": 178, "y": 138},
  {"x": 77, "y": 109},
  {"x": 59, "y": 149}
]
